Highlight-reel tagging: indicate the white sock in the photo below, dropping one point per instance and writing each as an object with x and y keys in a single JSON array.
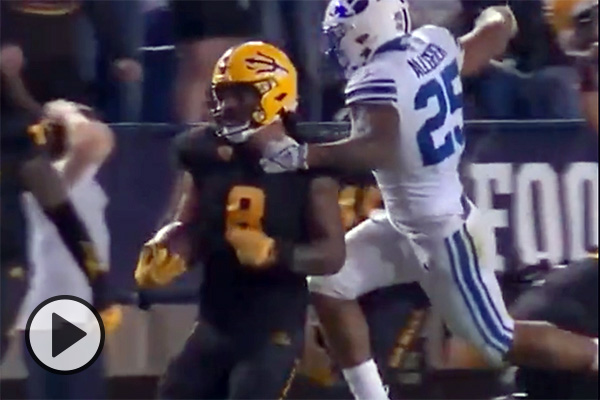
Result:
[
  {"x": 595, "y": 364},
  {"x": 364, "y": 382}
]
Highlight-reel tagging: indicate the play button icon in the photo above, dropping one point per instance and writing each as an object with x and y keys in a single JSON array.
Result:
[{"x": 64, "y": 334}]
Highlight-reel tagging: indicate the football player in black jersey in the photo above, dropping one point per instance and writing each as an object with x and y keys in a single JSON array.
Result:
[
  {"x": 567, "y": 298},
  {"x": 25, "y": 167},
  {"x": 257, "y": 236}
]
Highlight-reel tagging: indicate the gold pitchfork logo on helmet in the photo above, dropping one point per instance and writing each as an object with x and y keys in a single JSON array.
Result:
[
  {"x": 264, "y": 64},
  {"x": 268, "y": 69}
]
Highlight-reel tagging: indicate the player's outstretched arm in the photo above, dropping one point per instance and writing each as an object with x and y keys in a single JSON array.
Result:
[
  {"x": 372, "y": 143},
  {"x": 494, "y": 28},
  {"x": 323, "y": 255},
  {"x": 326, "y": 252}
]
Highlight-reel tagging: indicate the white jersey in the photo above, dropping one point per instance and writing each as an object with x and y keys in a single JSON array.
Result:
[
  {"x": 54, "y": 270},
  {"x": 420, "y": 75},
  {"x": 428, "y": 236}
]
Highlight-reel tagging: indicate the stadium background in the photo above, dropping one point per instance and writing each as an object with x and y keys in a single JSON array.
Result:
[
  {"x": 537, "y": 182},
  {"x": 537, "y": 179}
]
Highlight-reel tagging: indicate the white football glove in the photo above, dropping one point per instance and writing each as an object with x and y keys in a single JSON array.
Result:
[
  {"x": 57, "y": 109},
  {"x": 285, "y": 155},
  {"x": 65, "y": 113}
]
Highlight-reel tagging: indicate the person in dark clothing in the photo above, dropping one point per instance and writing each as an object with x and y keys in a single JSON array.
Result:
[
  {"x": 25, "y": 167},
  {"x": 46, "y": 33},
  {"x": 204, "y": 30},
  {"x": 258, "y": 236},
  {"x": 569, "y": 299}
]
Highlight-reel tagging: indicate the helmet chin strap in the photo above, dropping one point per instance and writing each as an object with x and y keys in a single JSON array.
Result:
[{"x": 237, "y": 133}]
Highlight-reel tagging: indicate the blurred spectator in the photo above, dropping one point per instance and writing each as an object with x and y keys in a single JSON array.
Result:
[
  {"x": 13, "y": 88},
  {"x": 296, "y": 26},
  {"x": 158, "y": 23},
  {"x": 78, "y": 151},
  {"x": 535, "y": 80},
  {"x": 444, "y": 13},
  {"x": 47, "y": 32},
  {"x": 160, "y": 61},
  {"x": 551, "y": 90},
  {"x": 204, "y": 30},
  {"x": 121, "y": 79}
]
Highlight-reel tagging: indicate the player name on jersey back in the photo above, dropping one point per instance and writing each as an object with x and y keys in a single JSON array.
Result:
[
  {"x": 428, "y": 60},
  {"x": 419, "y": 75}
]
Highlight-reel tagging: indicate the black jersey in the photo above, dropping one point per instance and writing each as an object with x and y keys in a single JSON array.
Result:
[{"x": 238, "y": 191}]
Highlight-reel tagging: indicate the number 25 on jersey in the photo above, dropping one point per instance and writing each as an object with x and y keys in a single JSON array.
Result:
[{"x": 448, "y": 102}]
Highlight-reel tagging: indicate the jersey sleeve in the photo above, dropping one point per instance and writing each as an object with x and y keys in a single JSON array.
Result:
[
  {"x": 372, "y": 83},
  {"x": 443, "y": 38}
]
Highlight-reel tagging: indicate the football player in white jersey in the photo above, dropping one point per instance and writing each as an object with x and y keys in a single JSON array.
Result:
[
  {"x": 405, "y": 95},
  {"x": 78, "y": 145}
]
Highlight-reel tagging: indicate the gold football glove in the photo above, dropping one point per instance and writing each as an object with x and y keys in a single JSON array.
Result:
[
  {"x": 157, "y": 266},
  {"x": 112, "y": 318},
  {"x": 252, "y": 247}
]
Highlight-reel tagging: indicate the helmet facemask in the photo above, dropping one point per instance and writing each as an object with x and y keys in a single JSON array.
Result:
[
  {"x": 259, "y": 83},
  {"x": 237, "y": 105}
]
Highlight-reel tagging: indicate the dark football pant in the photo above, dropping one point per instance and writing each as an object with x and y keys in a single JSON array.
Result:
[
  {"x": 569, "y": 299},
  {"x": 213, "y": 365},
  {"x": 13, "y": 287}
]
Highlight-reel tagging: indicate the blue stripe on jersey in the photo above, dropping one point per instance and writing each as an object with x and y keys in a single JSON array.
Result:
[
  {"x": 388, "y": 92},
  {"x": 372, "y": 82},
  {"x": 371, "y": 99}
]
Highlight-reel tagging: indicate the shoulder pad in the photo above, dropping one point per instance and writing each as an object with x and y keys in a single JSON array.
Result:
[
  {"x": 197, "y": 148},
  {"x": 374, "y": 82},
  {"x": 443, "y": 38}
]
